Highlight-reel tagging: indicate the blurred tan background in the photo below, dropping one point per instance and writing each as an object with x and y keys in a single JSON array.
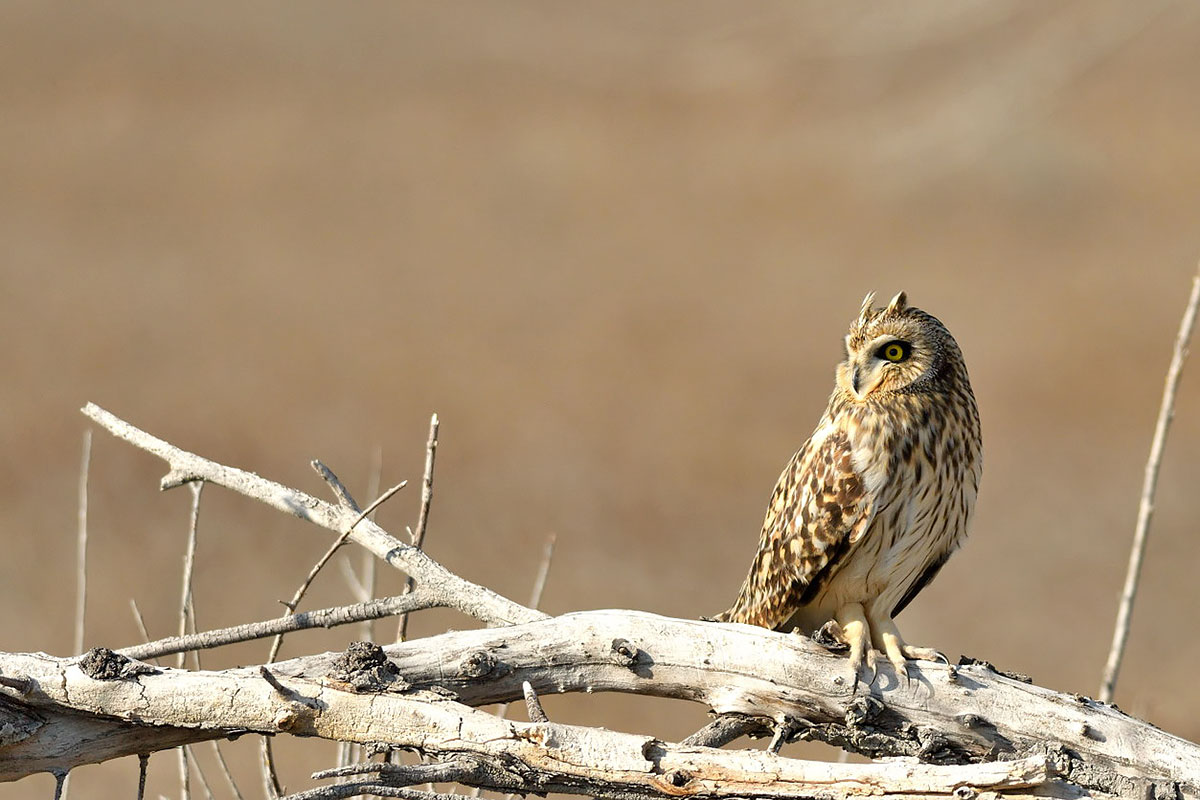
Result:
[{"x": 615, "y": 246}]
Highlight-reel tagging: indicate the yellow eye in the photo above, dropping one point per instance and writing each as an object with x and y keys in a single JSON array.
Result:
[{"x": 895, "y": 351}]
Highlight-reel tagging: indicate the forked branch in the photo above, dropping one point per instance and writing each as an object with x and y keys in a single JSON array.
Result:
[{"x": 445, "y": 587}]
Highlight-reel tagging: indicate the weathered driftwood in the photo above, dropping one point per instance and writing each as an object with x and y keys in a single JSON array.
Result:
[
  {"x": 972, "y": 729},
  {"x": 947, "y": 715},
  {"x": 125, "y": 707}
]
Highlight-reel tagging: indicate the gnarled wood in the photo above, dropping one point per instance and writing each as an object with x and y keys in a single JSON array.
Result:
[
  {"x": 148, "y": 710},
  {"x": 963, "y": 730}
]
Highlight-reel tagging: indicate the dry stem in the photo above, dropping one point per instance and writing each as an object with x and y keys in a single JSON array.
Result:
[{"x": 1150, "y": 481}]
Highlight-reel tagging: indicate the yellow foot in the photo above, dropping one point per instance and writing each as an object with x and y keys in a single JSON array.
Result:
[
  {"x": 856, "y": 632},
  {"x": 866, "y": 634},
  {"x": 887, "y": 638}
]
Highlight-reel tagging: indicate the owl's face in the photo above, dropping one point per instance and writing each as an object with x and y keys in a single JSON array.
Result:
[{"x": 896, "y": 349}]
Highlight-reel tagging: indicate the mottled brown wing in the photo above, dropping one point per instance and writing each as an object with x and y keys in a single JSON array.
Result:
[{"x": 819, "y": 509}]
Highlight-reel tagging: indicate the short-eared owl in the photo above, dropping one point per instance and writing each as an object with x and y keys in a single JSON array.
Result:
[{"x": 872, "y": 505}]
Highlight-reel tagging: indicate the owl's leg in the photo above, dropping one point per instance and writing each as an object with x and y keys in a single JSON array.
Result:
[
  {"x": 857, "y": 633},
  {"x": 887, "y": 638}
]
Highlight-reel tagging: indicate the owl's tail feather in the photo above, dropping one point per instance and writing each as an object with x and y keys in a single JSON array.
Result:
[{"x": 752, "y": 608}]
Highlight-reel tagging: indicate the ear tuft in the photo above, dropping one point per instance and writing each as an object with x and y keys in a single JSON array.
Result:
[
  {"x": 898, "y": 303},
  {"x": 865, "y": 311}
]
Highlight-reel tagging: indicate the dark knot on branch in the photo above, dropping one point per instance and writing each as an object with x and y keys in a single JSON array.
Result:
[
  {"x": 364, "y": 667},
  {"x": 102, "y": 664}
]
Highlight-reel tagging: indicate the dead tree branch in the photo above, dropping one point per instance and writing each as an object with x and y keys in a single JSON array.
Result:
[
  {"x": 448, "y": 589},
  {"x": 947, "y": 715},
  {"x": 142, "y": 711},
  {"x": 958, "y": 730}
]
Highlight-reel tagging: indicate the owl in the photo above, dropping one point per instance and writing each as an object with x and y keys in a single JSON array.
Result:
[{"x": 870, "y": 508}]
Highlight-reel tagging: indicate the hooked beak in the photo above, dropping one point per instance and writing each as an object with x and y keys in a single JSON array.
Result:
[
  {"x": 856, "y": 381},
  {"x": 859, "y": 379}
]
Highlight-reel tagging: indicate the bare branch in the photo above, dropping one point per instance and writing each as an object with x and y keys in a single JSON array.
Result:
[
  {"x": 376, "y": 789},
  {"x": 523, "y": 757},
  {"x": 427, "y": 484},
  {"x": 784, "y": 778},
  {"x": 449, "y": 589},
  {"x": 727, "y": 728},
  {"x": 185, "y": 785},
  {"x": 220, "y": 756},
  {"x": 533, "y": 706},
  {"x": 21, "y": 685},
  {"x": 195, "y": 762},
  {"x": 187, "y": 611},
  {"x": 539, "y": 583},
  {"x": 345, "y": 499},
  {"x": 186, "y": 608},
  {"x": 418, "y": 536},
  {"x": 369, "y": 580},
  {"x": 1150, "y": 481},
  {"x": 377, "y": 502},
  {"x": 945, "y": 714},
  {"x": 81, "y": 544},
  {"x": 405, "y": 774},
  {"x": 271, "y": 786},
  {"x": 143, "y": 764},
  {"x": 320, "y": 618}
]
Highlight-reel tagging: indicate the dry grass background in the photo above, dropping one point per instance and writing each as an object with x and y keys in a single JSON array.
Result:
[{"x": 614, "y": 246}]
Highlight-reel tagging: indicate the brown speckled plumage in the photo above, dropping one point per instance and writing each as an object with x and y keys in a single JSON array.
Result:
[{"x": 872, "y": 505}]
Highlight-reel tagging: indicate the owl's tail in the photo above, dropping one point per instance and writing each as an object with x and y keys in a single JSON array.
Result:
[{"x": 754, "y": 607}]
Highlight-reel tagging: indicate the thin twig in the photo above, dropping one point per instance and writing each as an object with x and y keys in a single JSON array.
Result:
[
  {"x": 81, "y": 561},
  {"x": 233, "y": 787},
  {"x": 185, "y": 783},
  {"x": 408, "y": 774},
  {"x": 1150, "y": 481},
  {"x": 533, "y": 706},
  {"x": 539, "y": 583},
  {"x": 304, "y": 620},
  {"x": 376, "y": 503},
  {"x": 272, "y": 788},
  {"x": 725, "y": 729},
  {"x": 369, "y": 575},
  {"x": 357, "y": 588},
  {"x": 367, "y": 587},
  {"x": 344, "y": 498},
  {"x": 324, "y": 559},
  {"x": 199, "y": 771},
  {"x": 340, "y": 790},
  {"x": 141, "y": 624},
  {"x": 22, "y": 685},
  {"x": 186, "y": 608},
  {"x": 427, "y": 483},
  {"x": 418, "y": 536},
  {"x": 143, "y": 764},
  {"x": 139, "y": 620}
]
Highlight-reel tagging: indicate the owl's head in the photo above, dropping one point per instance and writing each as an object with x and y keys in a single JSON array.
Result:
[{"x": 897, "y": 349}]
